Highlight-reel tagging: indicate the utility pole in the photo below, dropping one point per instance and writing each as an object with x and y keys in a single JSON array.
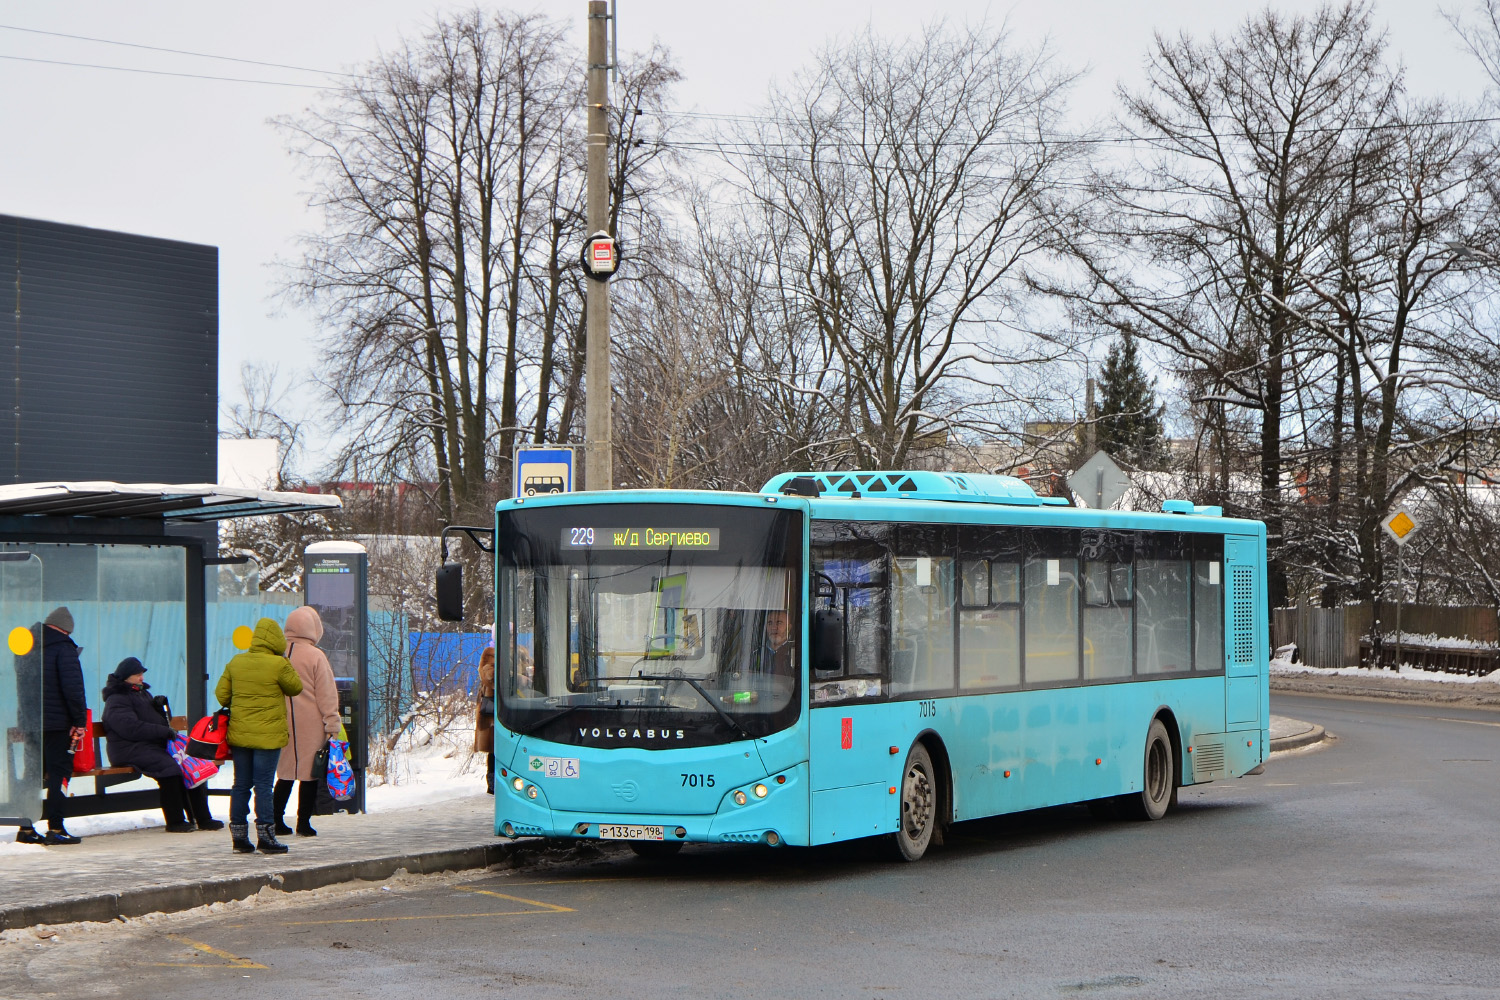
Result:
[
  {"x": 598, "y": 466},
  {"x": 1091, "y": 422}
]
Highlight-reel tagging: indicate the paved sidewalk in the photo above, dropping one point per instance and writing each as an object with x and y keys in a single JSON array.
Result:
[
  {"x": 1289, "y": 734},
  {"x": 142, "y": 871}
]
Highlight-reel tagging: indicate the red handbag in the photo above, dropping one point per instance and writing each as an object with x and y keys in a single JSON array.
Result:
[
  {"x": 206, "y": 740},
  {"x": 86, "y": 757}
]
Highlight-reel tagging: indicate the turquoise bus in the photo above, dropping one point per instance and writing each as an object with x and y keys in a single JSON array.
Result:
[{"x": 863, "y": 654}]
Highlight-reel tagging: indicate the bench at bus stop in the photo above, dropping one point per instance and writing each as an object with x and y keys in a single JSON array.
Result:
[{"x": 101, "y": 801}]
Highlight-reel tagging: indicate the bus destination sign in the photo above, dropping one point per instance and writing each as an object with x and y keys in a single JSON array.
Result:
[{"x": 640, "y": 538}]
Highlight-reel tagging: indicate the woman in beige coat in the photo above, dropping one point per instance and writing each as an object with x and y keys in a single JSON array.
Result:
[{"x": 312, "y": 717}]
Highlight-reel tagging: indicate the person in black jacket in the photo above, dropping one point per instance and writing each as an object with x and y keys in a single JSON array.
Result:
[
  {"x": 64, "y": 721},
  {"x": 137, "y": 734}
]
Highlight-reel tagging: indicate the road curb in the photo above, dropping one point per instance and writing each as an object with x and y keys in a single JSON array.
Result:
[
  {"x": 171, "y": 898},
  {"x": 1311, "y": 736}
]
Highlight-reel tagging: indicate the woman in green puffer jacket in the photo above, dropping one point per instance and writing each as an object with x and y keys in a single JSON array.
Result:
[{"x": 254, "y": 688}]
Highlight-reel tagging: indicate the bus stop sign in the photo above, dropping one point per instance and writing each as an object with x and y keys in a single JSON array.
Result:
[{"x": 543, "y": 469}]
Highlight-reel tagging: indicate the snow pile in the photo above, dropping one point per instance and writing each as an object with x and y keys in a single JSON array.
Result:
[
  {"x": 1430, "y": 641},
  {"x": 1287, "y": 668}
]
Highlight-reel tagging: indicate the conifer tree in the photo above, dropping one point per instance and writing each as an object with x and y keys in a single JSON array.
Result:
[{"x": 1130, "y": 419}]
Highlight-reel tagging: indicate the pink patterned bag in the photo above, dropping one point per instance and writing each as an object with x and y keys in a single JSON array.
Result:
[{"x": 195, "y": 770}]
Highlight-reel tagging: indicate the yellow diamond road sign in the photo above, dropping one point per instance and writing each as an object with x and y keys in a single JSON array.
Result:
[{"x": 1400, "y": 525}]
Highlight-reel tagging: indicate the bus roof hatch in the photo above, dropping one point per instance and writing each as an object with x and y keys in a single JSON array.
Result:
[{"x": 920, "y": 485}]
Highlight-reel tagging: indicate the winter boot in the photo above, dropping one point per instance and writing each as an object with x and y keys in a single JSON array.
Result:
[
  {"x": 279, "y": 796},
  {"x": 265, "y": 839},
  {"x": 198, "y": 809},
  {"x": 241, "y": 834},
  {"x": 307, "y": 801}
]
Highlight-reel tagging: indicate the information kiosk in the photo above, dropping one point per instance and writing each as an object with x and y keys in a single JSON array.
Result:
[{"x": 336, "y": 582}]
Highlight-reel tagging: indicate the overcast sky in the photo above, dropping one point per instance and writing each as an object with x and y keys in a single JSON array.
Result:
[{"x": 195, "y": 159}]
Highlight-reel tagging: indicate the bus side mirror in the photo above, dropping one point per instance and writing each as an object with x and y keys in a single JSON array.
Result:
[
  {"x": 449, "y": 590},
  {"x": 828, "y": 641}
]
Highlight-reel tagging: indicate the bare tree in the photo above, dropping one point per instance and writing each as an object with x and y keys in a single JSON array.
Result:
[
  {"x": 898, "y": 191},
  {"x": 1206, "y": 242},
  {"x": 449, "y": 184}
]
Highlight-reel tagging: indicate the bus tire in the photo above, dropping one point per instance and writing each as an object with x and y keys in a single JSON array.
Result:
[
  {"x": 655, "y": 849},
  {"x": 1158, "y": 777},
  {"x": 919, "y": 805}
]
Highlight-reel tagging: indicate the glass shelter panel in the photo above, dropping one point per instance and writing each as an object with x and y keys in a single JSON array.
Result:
[{"x": 21, "y": 611}]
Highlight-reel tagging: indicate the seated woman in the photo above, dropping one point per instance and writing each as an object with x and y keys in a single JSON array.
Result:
[{"x": 136, "y": 735}]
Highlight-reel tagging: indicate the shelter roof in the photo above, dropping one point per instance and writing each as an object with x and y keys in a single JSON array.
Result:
[{"x": 156, "y": 501}]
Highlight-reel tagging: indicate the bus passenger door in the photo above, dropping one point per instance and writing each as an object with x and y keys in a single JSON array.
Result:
[{"x": 1245, "y": 619}]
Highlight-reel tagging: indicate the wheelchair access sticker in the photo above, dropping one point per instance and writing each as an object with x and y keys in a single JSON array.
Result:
[{"x": 554, "y": 767}]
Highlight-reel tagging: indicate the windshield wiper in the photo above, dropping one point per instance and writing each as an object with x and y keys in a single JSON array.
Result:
[
  {"x": 531, "y": 730},
  {"x": 706, "y": 697}
]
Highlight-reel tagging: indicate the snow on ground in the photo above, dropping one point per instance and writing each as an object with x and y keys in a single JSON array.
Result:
[
  {"x": 1407, "y": 672},
  {"x": 432, "y": 762}
]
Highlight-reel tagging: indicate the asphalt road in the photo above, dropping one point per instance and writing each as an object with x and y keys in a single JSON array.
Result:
[{"x": 1365, "y": 869}]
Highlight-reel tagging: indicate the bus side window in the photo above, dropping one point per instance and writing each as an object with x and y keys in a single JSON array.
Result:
[
  {"x": 855, "y": 556},
  {"x": 989, "y": 614},
  {"x": 922, "y": 610},
  {"x": 1208, "y": 604},
  {"x": 1051, "y": 606},
  {"x": 1107, "y": 598},
  {"x": 1163, "y": 605}
]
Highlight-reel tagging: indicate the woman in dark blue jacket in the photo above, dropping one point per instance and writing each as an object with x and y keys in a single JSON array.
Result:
[{"x": 137, "y": 734}]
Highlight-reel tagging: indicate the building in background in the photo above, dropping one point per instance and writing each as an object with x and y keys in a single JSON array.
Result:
[{"x": 109, "y": 356}]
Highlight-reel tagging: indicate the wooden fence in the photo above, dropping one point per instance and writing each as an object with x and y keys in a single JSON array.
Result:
[{"x": 1331, "y": 637}]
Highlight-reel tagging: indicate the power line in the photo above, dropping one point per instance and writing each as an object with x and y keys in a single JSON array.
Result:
[
  {"x": 163, "y": 72},
  {"x": 178, "y": 52}
]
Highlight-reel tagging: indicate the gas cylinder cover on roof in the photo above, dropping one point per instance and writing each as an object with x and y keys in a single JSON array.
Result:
[{"x": 919, "y": 485}]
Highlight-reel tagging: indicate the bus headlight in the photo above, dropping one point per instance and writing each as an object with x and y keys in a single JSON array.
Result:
[
  {"x": 518, "y": 784},
  {"x": 531, "y": 792},
  {"x": 739, "y": 798},
  {"x": 761, "y": 791}
]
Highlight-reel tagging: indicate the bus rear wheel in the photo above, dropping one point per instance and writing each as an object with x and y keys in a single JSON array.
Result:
[
  {"x": 919, "y": 797},
  {"x": 655, "y": 848},
  {"x": 1158, "y": 780}
]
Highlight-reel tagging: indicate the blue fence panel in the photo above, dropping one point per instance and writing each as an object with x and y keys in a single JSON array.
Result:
[{"x": 445, "y": 659}]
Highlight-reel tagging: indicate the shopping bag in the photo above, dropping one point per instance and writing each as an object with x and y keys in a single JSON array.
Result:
[
  {"x": 85, "y": 755},
  {"x": 340, "y": 771},
  {"x": 195, "y": 771}
]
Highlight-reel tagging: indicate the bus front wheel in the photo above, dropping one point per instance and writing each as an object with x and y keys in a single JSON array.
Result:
[
  {"x": 1159, "y": 778},
  {"x": 919, "y": 797}
]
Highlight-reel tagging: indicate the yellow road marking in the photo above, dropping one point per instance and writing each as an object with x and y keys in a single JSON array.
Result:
[
  {"x": 549, "y": 907},
  {"x": 235, "y": 960},
  {"x": 429, "y": 916},
  {"x": 541, "y": 908}
]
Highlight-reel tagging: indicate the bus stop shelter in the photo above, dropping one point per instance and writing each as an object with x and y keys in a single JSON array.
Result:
[{"x": 132, "y": 563}]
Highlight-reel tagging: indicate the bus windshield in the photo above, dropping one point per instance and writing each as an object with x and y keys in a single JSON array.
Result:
[{"x": 655, "y": 626}]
